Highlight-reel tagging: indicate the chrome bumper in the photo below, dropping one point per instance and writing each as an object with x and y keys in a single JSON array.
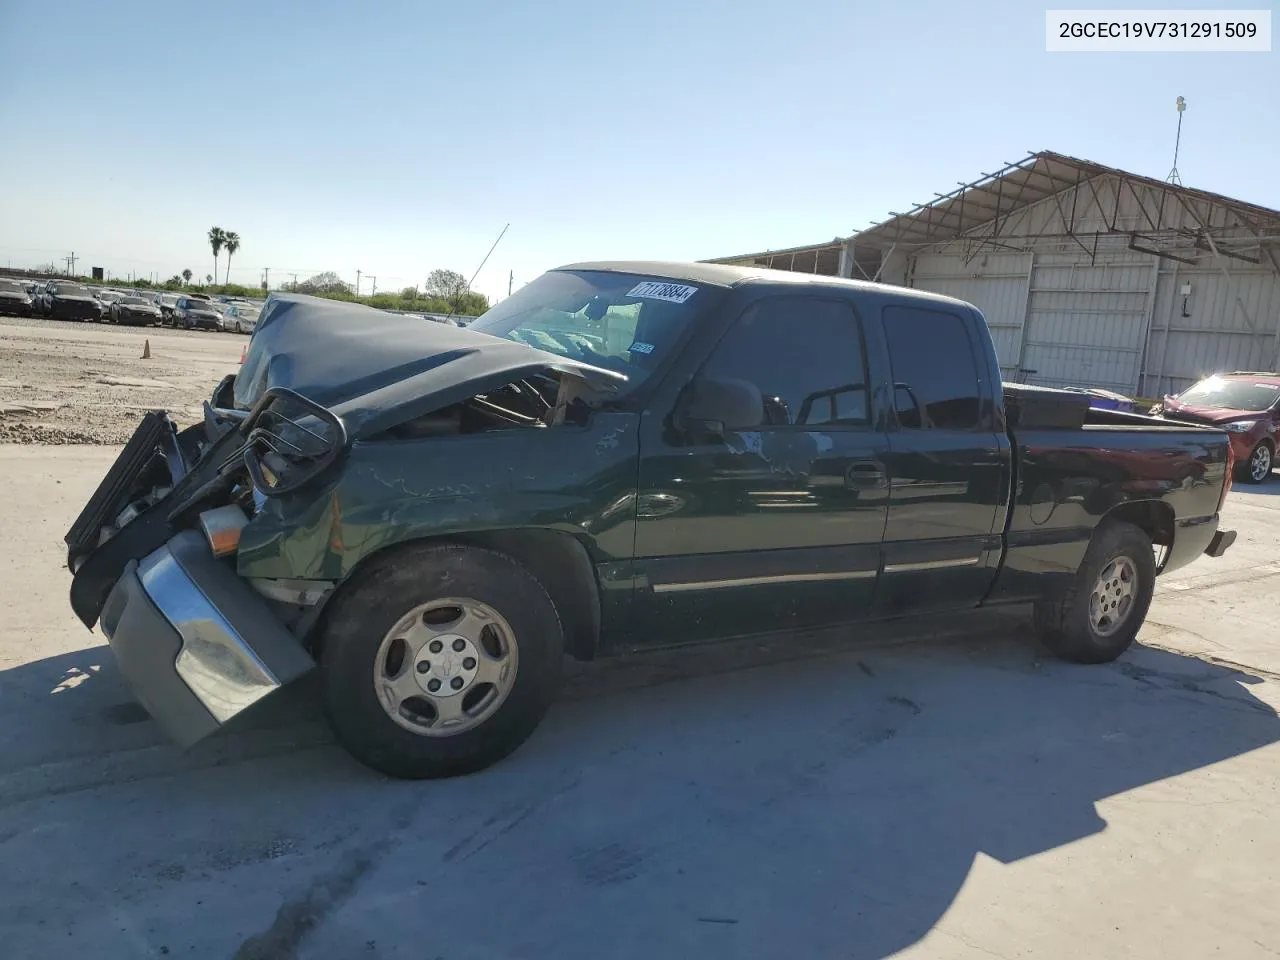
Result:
[{"x": 195, "y": 643}]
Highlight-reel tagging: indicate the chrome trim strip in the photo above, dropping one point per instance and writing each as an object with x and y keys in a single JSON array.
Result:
[
  {"x": 215, "y": 662},
  {"x": 931, "y": 565},
  {"x": 759, "y": 581}
]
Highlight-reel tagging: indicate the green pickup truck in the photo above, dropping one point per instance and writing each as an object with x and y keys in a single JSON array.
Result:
[{"x": 620, "y": 456}]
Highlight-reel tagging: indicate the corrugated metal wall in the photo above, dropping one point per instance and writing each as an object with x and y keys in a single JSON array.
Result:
[
  {"x": 1063, "y": 315},
  {"x": 1210, "y": 331},
  {"x": 1086, "y": 322}
]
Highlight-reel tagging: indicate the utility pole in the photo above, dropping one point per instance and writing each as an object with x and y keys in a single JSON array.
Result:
[
  {"x": 511, "y": 281},
  {"x": 71, "y": 263},
  {"x": 266, "y": 277},
  {"x": 373, "y": 291},
  {"x": 295, "y": 281},
  {"x": 357, "y": 283}
]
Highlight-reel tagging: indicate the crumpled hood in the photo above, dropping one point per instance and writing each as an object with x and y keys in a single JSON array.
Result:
[
  {"x": 1210, "y": 415},
  {"x": 376, "y": 369}
]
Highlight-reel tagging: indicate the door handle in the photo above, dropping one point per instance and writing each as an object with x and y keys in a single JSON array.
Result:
[{"x": 866, "y": 475}]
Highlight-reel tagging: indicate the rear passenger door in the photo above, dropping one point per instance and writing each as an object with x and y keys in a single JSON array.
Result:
[
  {"x": 948, "y": 463},
  {"x": 779, "y": 524}
]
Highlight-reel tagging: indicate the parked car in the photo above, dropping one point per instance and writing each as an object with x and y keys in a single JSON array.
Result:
[
  {"x": 1246, "y": 405},
  {"x": 166, "y": 303},
  {"x": 15, "y": 301},
  {"x": 64, "y": 300},
  {"x": 240, "y": 318},
  {"x": 192, "y": 313},
  {"x": 134, "y": 311},
  {"x": 106, "y": 298},
  {"x": 437, "y": 514}
]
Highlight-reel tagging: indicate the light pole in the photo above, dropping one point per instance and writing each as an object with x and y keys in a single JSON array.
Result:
[{"x": 1174, "y": 176}]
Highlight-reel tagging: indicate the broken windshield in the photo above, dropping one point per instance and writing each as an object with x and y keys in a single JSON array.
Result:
[{"x": 622, "y": 322}]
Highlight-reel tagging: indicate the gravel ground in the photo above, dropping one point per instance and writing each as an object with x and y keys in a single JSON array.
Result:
[{"x": 69, "y": 383}]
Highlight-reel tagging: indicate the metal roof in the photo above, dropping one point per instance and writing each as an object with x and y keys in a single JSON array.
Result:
[{"x": 949, "y": 216}]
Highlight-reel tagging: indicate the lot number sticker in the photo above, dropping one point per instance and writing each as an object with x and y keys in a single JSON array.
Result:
[{"x": 670, "y": 292}]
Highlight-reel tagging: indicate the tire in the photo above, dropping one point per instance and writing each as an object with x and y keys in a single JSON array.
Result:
[
  {"x": 1257, "y": 469},
  {"x": 376, "y": 605},
  {"x": 1067, "y": 625}
]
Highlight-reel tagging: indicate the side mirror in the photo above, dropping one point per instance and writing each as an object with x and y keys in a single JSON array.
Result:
[{"x": 712, "y": 405}]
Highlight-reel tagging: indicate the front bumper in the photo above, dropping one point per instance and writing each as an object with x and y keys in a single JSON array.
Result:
[
  {"x": 194, "y": 642},
  {"x": 67, "y": 312}
]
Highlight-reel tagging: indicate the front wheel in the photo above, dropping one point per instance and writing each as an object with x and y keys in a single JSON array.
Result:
[
  {"x": 1101, "y": 612},
  {"x": 439, "y": 660},
  {"x": 1258, "y": 467}
]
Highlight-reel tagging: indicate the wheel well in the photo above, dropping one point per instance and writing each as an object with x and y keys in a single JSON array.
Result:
[
  {"x": 557, "y": 560},
  {"x": 1152, "y": 517},
  {"x": 562, "y": 566}
]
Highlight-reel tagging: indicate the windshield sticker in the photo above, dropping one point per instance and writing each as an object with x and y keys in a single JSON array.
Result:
[
  {"x": 642, "y": 348},
  {"x": 670, "y": 292}
]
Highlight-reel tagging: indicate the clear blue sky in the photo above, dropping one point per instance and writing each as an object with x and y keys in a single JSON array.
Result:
[{"x": 396, "y": 137}]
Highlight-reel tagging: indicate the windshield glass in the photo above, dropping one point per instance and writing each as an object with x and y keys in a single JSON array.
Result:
[
  {"x": 620, "y": 321},
  {"x": 70, "y": 290},
  {"x": 1219, "y": 394},
  {"x": 10, "y": 286},
  {"x": 132, "y": 300}
]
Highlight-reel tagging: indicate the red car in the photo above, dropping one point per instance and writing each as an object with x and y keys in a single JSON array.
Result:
[{"x": 1246, "y": 405}]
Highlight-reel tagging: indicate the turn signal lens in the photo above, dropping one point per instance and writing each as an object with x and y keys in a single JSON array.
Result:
[{"x": 222, "y": 526}]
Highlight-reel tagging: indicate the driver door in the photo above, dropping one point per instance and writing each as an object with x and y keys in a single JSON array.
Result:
[{"x": 776, "y": 526}]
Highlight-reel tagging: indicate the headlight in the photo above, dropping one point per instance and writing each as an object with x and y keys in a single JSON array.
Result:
[{"x": 1239, "y": 426}]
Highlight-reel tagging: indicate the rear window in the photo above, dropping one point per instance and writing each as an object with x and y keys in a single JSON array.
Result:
[{"x": 935, "y": 373}]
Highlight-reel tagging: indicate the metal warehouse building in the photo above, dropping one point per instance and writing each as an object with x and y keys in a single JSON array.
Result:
[{"x": 1088, "y": 275}]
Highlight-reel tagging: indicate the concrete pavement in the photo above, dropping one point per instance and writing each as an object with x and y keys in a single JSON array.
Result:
[{"x": 829, "y": 799}]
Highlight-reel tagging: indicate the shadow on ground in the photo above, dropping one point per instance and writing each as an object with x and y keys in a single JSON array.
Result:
[{"x": 824, "y": 800}]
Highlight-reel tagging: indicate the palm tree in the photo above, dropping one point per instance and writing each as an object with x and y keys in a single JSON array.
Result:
[
  {"x": 186, "y": 275},
  {"x": 232, "y": 241},
  {"x": 216, "y": 239}
]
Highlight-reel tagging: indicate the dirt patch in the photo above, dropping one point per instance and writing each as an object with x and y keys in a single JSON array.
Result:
[{"x": 75, "y": 383}]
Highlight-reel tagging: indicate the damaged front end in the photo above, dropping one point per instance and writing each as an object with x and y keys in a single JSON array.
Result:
[{"x": 154, "y": 552}]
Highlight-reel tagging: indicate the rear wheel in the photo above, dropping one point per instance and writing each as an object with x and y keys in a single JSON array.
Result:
[
  {"x": 1257, "y": 468},
  {"x": 439, "y": 660},
  {"x": 1102, "y": 610}
]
